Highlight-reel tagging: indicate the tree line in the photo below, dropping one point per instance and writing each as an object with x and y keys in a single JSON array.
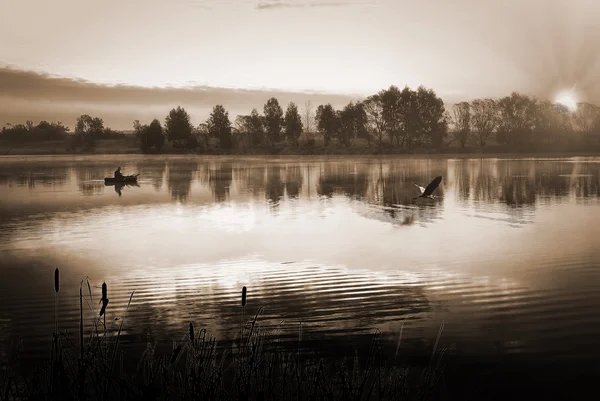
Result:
[
  {"x": 392, "y": 118},
  {"x": 87, "y": 130},
  {"x": 521, "y": 121}
]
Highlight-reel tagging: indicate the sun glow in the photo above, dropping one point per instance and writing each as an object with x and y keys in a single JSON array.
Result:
[{"x": 567, "y": 99}]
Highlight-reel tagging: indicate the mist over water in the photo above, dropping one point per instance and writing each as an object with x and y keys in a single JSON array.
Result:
[{"x": 507, "y": 256}]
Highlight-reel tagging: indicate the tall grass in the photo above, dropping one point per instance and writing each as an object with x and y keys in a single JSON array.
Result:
[{"x": 253, "y": 367}]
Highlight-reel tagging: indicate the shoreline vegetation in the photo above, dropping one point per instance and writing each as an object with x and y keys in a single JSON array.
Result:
[
  {"x": 128, "y": 146},
  {"x": 254, "y": 367},
  {"x": 391, "y": 122}
]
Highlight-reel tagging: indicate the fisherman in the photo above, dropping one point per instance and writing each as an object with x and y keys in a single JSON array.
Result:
[{"x": 118, "y": 173}]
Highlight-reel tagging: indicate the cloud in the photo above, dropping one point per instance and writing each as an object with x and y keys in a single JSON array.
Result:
[
  {"x": 36, "y": 96},
  {"x": 298, "y": 4}
]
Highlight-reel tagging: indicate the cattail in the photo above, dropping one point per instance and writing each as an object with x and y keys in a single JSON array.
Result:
[
  {"x": 191, "y": 332},
  {"x": 56, "y": 289},
  {"x": 243, "y": 312},
  {"x": 104, "y": 292},
  {"x": 56, "y": 281},
  {"x": 104, "y": 300}
]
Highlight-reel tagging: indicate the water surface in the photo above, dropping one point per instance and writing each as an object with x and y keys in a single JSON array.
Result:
[{"x": 507, "y": 256}]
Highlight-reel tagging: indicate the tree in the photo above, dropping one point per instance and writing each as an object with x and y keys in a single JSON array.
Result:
[
  {"x": 462, "y": 122},
  {"x": 273, "y": 120},
  {"x": 253, "y": 125},
  {"x": 361, "y": 122},
  {"x": 44, "y": 131},
  {"x": 327, "y": 122},
  {"x": 409, "y": 115},
  {"x": 373, "y": 107},
  {"x": 353, "y": 121},
  {"x": 391, "y": 103},
  {"x": 140, "y": 133},
  {"x": 138, "y": 129},
  {"x": 293, "y": 124},
  {"x": 155, "y": 135},
  {"x": 219, "y": 126},
  {"x": 552, "y": 123},
  {"x": 484, "y": 119},
  {"x": 257, "y": 126},
  {"x": 150, "y": 136},
  {"x": 178, "y": 127},
  {"x": 203, "y": 135},
  {"x": 516, "y": 119},
  {"x": 241, "y": 132},
  {"x": 587, "y": 120},
  {"x": 308, "y": 117},
  {"x": 432, "y": 119},
  {"x": 89, "y": 128},
  {"x": 87, "y": 124}
]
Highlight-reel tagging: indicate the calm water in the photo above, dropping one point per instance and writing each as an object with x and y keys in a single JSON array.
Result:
[{"x": 508, "y": 256}]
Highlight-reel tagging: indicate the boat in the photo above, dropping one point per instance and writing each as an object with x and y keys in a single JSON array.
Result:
[{"x": 126, "y": 179}]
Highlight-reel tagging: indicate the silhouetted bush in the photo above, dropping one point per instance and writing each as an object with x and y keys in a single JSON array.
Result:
[{"x": 29, "y": 132}]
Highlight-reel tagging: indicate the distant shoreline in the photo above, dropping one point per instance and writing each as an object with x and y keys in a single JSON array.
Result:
[
  {"x": 121, "y": 148},
  {"x": 320, "y": 156}
]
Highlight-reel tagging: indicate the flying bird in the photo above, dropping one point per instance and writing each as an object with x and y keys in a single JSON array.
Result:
[{"x": 427, "y": 192}]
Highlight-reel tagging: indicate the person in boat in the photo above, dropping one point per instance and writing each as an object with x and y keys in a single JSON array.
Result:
[{"x": 118, "y": 173}]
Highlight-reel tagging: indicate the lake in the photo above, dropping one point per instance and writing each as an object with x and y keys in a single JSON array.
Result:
[{"x": 506, "y": 259}]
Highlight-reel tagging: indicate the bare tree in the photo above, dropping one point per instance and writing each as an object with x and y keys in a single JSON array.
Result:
[
  {"x": 308, "y": 117},
  {"x": 462, "y": 122},
  {"x": 484, "y": 119},
  {"x": 373, "y": 107}
]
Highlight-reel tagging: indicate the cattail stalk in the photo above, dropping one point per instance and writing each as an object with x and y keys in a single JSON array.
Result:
[
  {"x": 104, "y": 292},
  {"x": 104, "y": 301},
  {"x": 244, "y": 291},
  {"x": 55, "y": 334},
  {"x": 56, "y": 280},
  {"x": 81, "y": 320},
  {"x": 112, "y": 364},
  {"x": 191, "y": 328},
  {"x": 56, "y": 289}
]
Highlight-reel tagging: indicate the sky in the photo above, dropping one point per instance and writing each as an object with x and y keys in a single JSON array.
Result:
[{"x": 128, "y": 59}]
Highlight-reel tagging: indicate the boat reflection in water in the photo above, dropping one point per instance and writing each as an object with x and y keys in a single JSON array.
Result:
[{"x": 119, "y": 185}]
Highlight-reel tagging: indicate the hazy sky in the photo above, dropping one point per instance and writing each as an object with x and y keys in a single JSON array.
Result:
[{"x": 460, "y": 48}]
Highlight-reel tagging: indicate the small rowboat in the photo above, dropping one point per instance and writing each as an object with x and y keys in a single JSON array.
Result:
[{"x": 124, "y": 180}]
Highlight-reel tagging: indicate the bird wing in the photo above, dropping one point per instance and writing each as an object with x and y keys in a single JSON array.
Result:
[
  {"x": 432, "y": 185},
  {"x": 420, "y": 188}
]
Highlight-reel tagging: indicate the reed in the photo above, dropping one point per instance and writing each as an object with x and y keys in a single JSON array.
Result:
[
  {"x": 197, "y": 369},
  {"x": 244, "y": 293},
  {"x": 55, "y": 351},
  {"x": 104, "y": 301},
  {"x": 56, "y": 290}
]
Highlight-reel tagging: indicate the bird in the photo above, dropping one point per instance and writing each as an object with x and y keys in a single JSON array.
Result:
[{"x": 427, "y": 192}]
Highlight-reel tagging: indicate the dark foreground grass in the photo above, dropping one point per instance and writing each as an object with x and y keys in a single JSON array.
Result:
[{"x": 254, "y": 367}]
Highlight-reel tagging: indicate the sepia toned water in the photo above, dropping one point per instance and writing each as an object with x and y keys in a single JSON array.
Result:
[{"x": 507, "y": 257}]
